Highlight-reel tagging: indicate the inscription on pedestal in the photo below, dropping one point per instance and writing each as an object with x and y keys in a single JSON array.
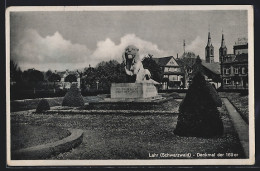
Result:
[
  {"x": 126, "y": 90},
  {"x": 133, "y": 90}
]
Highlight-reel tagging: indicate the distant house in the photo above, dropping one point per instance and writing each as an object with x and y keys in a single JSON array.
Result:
[
  {"x": 66, "y": 85},
  {"x": 173, "y": 73},
  {"x": 234, "y": 67},
  {"x": 211, "y": 70}
]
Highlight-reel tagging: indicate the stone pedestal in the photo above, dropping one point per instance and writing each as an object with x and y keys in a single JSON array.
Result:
[{"x": 133, "y": 91}]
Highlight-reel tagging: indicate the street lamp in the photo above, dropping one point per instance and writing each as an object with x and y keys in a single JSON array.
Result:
[{"x": 97, "y": 84}]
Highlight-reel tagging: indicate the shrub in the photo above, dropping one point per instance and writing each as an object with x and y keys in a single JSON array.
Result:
[
  {"x": 43, "y": 105},
  {"x": 198, "y": 113},
  {"x": 214, "y": 94},
  {"x": 73, "y": 97}
]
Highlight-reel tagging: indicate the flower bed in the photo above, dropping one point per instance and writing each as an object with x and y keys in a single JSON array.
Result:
[{"x": 240, "y": 102}]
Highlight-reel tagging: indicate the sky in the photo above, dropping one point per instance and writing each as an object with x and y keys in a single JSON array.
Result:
[{"x": 74, "y": 40}]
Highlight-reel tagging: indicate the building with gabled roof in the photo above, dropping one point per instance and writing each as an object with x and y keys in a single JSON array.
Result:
[
  {"x": 64, "y": 74},
  {"x": 173, "y": 73},
  {"x": 234, "y": 67}
]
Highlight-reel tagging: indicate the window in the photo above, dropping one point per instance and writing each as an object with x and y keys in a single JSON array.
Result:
[
  {"x": 243, "y": 70},
  {"x": 236, "y": 70},
  {"x": 211, "y": 52},
  {"x": 226, "y": 71},
  {"x": 227, "y": 81}
]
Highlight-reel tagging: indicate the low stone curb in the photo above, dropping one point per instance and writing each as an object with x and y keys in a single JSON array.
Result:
[
  {"x": 240, "y": 125},
  {"x": 47, "y": 150},
  {"x": 148, "y": 112}
]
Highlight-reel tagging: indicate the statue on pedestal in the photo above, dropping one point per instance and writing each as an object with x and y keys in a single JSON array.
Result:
[{"x": 134, "y": 67}]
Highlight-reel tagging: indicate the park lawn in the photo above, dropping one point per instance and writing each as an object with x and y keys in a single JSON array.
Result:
[
  {"x": 24, "y": 135},
  {"x": 240, "y": 102},
  {"x": 124, "y": 136}
]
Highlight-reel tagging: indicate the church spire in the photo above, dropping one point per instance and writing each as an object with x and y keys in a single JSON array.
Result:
[
  {"x": 222, "y": 49},
  {"x": 184, "y": 46},
  {"x": 209, "y": 40},
  {"x": 209, "y": 51},
  {"x": 223, "y": 41}
]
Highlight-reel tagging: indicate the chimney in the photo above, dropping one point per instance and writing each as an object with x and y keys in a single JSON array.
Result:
[{"x": 177, "y": 56}]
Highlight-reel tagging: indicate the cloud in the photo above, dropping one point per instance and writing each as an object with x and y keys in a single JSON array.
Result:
[
  {"x": 56, "y": 53},
  {"x": 197, "y": 46},
  {"x": 33, "y": 49},
  {"x": 107, "y": 49}
]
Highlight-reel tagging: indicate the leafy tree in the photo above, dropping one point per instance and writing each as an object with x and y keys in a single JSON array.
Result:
[
  {"x": 71, "y": 78},
  {"x": 153, "y": 67},
  {"x": 33, "y": 75},
  {"x": 48, "y": 74},
  {"x": 105, "y": 73},
  {"x": 15, "y": 72},
  {"x": 189, "y": 55},
  {"x": 54, "y": 78}
]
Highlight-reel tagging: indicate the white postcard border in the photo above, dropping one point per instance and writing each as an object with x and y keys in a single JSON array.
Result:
[{"x": 249, "y": 161}]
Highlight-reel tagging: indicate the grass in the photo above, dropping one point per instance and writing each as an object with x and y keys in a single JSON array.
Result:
[
  {"x": 123, "y": 136},
  {"x": 23, "y": 135},
  {"x": 240, "y": 102}
]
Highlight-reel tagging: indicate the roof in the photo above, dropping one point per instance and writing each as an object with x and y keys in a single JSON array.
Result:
[
  {"x": 236, "y": 58},
  {"x": 162, "y": 61},
  {"x": 241, "y": 58},
  {"x": 214, "y": 67},
  {"x": 188, "y": 61},
  {"x": 65, "y": 73}
]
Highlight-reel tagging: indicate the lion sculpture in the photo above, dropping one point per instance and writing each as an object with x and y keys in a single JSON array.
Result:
[{"x": 133, "y": 65}]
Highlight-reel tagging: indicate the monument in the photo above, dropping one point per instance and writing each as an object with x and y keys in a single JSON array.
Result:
[
  {"x": 138, "y": 92},
  {"x": 139, "y": 84}
]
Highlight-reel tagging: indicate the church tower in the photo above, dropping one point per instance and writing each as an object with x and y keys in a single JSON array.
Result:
[
  {"x": 222, "y": 49},
  {"x": 209, "y": 51}
]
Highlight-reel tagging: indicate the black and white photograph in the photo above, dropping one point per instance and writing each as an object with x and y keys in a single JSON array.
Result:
[{"x": 130, "y": 85}]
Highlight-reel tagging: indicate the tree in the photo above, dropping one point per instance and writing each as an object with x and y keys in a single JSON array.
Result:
[
  {"x": 197, "y": 67},
  {"x": 33, "y": 75},
  {"x": 153, "y": 67},
  {"x": 198, "y": 113},
  {"x": 54, "y": 78},
  {"x": 15, "y": 72},
  {"x": 189, "y": 55},
  {"x": 71, "y": 78},
  {"x": 48, "y": 74},
  {"x": 73, "y": 97}
]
